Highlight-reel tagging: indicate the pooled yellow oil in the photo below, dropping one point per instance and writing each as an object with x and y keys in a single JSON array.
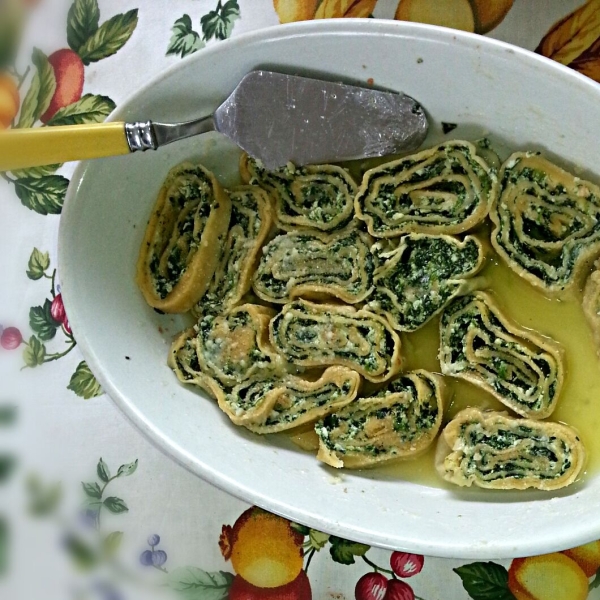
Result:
[
  {"x": 562, "y": 320},
  {"x": 528, "y": 306}
]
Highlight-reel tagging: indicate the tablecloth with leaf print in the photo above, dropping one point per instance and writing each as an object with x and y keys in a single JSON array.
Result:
[{"x": 88, "y": 507}]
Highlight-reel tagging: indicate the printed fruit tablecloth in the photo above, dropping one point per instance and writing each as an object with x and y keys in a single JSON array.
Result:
[{"x": 88, "y": 507}]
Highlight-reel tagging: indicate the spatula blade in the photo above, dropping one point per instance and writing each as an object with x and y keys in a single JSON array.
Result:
[{"x": 281, "y": 118}]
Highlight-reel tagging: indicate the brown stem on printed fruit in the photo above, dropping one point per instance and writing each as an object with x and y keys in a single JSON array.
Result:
[{"x": 377, "y": 568}]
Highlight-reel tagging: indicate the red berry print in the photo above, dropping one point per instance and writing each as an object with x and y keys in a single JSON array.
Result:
[
  {"x": 405, "y": 564},
  {"x": 399, "y": 590},
  {"x": 57, "y": 309},
  {"x": 11, "y": 338},
  {"x": 372, "y": 586}
]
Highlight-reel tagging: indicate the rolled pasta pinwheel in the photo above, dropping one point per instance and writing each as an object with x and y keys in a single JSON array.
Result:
[
  {"x": 520, "y": 367},
  {"x": 183, "y": 239},
  {"x": 446, "y": 189},
  {"x": 546, "y": 222},
  {"x": 400, "y": 422},
  {"x": 251, "y": 220},
  {"x": 591, "y": 304},
  {"x": 316, "y": 265},
  {"x": 314, "y": 197},
  {"x": 491, "y": 450},
  {"x": 421, "y": 275},
  {"x": 315, "y": 335},
  {"x": 276, "y": 403},
  {"x": 222, "y": 351}
]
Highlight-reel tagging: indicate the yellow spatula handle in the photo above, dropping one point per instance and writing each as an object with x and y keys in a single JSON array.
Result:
[{"x": 23, "y": 148}]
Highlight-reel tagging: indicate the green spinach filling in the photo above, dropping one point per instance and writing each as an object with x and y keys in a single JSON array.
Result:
[
  {"x": 421, "y": 277},
  {"x": 519, "y": 452}
]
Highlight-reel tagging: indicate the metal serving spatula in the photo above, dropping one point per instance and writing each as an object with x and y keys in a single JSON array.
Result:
[{"x": 274, "y": 117}]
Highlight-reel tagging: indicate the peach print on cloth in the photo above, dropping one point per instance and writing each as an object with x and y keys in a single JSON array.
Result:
[
  {"x": 478, "y": 16},
  {"x": 54, "y": 92}
]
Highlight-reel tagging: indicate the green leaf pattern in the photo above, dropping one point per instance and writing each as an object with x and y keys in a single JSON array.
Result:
[
  {"x": 34, "y": 352},
  {"x": 41, "y": 321},
  {"x": 37, "y": 265},
  {"x": 83, "y": 382},
  {"x": 103, "y": 471},
  {"x": 485, "y": 581},
  {"x": 219, "y": 23},
  {"x": 44, "y": 195},
  {"x": 193, "y": 583},
  {"x": 109, "y": 38},
  {"x": 92, "y": 490},
  {"x": 184, "y": 40},
  {"x": 343, "y": 551},
  {"x": 82, "y": 22},
  {"x": 116, "y": 505},
  {"x": 36, "y": 172},
  {"x": 41, "y": 90},
  {"x": 127, "y": 470},
  {"x": 111, "y": 543},
  {"x": 88, "y": 109}
]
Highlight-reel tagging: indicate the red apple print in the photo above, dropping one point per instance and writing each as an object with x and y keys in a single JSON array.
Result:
[
  {"x": 372, "y": 586},
  {"x": 57, "y": 309},
  {"x": 11, "y": 338},
  {"x": 399, "y": 590},
  {"x": 69, "y": 73},
  {"x": 299, "y": 589},
  {"x": 405, "y": 564}
]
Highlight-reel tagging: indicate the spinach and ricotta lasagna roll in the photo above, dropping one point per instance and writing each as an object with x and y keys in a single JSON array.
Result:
[
  {"x": 221, "y": 351},
  {"x": 277, "y": 403},
  {"x": 546, "y": 222},
  {"x": 315, "y": 197},
  {"x": 491, "y": 450},
  {"x": 520, "y": 367},
  {"x": 446, "y": 189},
  {"x": 591, "y": 304},
  {"x": 315, "y": 335},
  {"x": 183, "y": 239},
  {"x": 251, "y": 220},
  {"x": 400, "y": 422},
  {"x": 314, "y": 265},
  {"x": 421, "y": 275}
]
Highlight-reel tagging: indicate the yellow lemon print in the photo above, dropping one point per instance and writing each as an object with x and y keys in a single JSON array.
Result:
[
  {"x": 479, "y": 16},
  {"x": 586, "y": 556},
  {"x": 335, "y": 9},
  {"x": 489, "y": 13},
  {"x": 448, "y": 13},
  {"x": 547, "y": 577},
  {"x": 295, "y": 10}
]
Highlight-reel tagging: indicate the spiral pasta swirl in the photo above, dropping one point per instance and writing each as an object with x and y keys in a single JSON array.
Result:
[
  {"x": 183, "y": 239},
  {"x": 315, "y": 266},
  {"x": 521, "y": 368},
  {"x": 591, "y": 305},
  {"x": 251, "y": 219},
  {"x": 314, "y": 197},
  {"x": 446, "y": 189},
  {"x": 223, "y": 351},
  {"x": 421, "y": 275},
  {"x": 546, "y": 222},
  {"x": 314, "y": 335},
  {"x": 493, "y": 451},
  {"x": 276, "y": 404},
  {"x": 400, "y": 422}
]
